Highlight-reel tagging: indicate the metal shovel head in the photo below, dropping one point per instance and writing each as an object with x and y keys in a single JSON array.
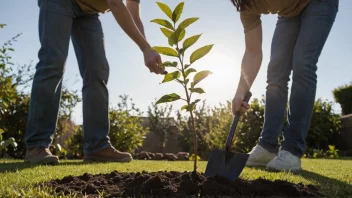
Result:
[{"x": 231, "y": 169}]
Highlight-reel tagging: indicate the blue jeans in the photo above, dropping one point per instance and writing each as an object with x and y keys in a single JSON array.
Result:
[
  {"x": 58, "y": 21},
  {"x": 296, "y": 46}
]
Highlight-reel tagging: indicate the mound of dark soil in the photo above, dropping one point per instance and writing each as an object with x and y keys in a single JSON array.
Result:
[{"x": 176, "y": 184}]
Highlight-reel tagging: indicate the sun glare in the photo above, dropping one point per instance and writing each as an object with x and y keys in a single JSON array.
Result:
[{"x": 223, "y": 82}]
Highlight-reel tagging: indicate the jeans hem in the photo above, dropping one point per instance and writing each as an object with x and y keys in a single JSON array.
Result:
[
  {"x": 292, "y": 151},
  {"x": 268, "y": 147},
  {"x": 40, "y": 144}
]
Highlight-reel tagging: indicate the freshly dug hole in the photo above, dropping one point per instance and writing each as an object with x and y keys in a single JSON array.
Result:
[{"x": 176, "y": 184}]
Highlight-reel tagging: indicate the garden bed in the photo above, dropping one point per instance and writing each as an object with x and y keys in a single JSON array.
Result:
[{"x": 175, "y": 184}]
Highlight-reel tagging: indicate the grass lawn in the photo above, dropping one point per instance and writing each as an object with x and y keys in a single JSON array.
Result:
[{"x": 333, "y": 177}]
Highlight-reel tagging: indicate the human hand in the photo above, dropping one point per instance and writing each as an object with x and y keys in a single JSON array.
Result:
[
  {"x": 239, "y": 105},
  {"x": 153, "y": 61}
]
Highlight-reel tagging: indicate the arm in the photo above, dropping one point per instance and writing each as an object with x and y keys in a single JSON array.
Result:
[
  {"x": 252, "y": 59},
  {"x": 134, "y": 8},
  {"x": 123, "y": 17},
  {"x": 251, "y": 63}
]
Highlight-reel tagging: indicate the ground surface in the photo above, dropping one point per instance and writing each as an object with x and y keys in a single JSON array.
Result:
[{"x": 332, "y": 177}]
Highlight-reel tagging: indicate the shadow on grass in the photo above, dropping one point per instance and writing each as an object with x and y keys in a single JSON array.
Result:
[
  {"x": 341, "y": 188},
  {"x": 18, "y": 166}
]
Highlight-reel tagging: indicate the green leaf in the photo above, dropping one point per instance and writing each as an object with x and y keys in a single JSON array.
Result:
[
  {"x": 201, "y": 52},
  {"x": 200, "y": 76},
  {"x": 166, "y": 9},
  {"x": 11, "y": 49},
  {"x": 187, "y": 22},
  {"x": 168, "y": 98},
  {"x": 164, "y": 23},
  {"x": 169, "y": 64},
  {"x": 184, "y": 107},
  {"x": 165, "y": 51},
  {"x": 171, "y": 76},
  {"x": 190, "y": 41},
  {"x": 188, "y": 71},
  {"x": 168, "y": 33},
  {"x": 177, "y": 36},
  {"x": 177, "y": 12},
  {"x": 187, "y": 66},
  {"x": 196, "y": 101},
  {"x": 192, "y": 84},
  {"x": 1, "y": 131},
  {"x": 180, "y": 34},
  {"x": 197, "y": 90},
  {"x": 186, "y": 81},
  {"x": 188, "y": 107}
]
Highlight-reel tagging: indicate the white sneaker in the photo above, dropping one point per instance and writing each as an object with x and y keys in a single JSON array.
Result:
[
  {"x": 285, "y": 161},
  {"x": 259, "y": 156}
]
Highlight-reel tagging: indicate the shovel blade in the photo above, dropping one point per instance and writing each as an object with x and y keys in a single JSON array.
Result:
[{"x": 218, "y": 167}]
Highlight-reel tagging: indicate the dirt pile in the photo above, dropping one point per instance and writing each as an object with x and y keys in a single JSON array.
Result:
[{"x": 176, "y": 184}]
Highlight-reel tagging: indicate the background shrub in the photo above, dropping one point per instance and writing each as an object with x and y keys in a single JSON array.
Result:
[
  {"x": 126, "y": 130},
  {"x": 343, "y": 95}
]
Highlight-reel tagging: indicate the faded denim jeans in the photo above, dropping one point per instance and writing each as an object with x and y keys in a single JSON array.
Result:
[
  {"x": 296, "y": 46},
  {"x": 60, "y": 20}
]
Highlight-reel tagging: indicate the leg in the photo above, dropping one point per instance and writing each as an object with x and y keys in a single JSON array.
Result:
[
  {"x": 316, "y": 22},
  {"x": 278, "y": 75},
  {"x": 55, "y": 20},
  {"x": 279, "y": 70},
  {"x": 88, "y": 41}
]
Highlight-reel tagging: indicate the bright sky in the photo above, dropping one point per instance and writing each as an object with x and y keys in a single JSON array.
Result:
[{"x": 220, "y": 24}]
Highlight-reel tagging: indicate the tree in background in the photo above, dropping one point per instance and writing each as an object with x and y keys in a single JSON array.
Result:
[{"x": 343, "y": 95}]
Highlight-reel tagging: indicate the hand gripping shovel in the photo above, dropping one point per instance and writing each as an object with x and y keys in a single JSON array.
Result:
[{"x": 226, "y": 163}]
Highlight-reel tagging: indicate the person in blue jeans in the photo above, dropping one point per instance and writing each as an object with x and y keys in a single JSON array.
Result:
[
  {"x": 301, "y": 31},
  {"x": 60, "y": 20}
]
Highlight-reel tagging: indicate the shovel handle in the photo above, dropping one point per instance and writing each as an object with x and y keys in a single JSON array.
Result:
[{"x": 234, "y": 124}]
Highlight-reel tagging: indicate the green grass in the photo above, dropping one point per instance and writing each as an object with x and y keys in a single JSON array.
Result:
[{"x": 333, "y": 177}]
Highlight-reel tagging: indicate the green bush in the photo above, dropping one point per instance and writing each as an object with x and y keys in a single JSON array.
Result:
[
  {"x": 251, "y": 125},
  {"x": 323, "y": 125},
  {"x": 5, "y": 144},
  {"x": 13, "y": 101},
  {"x": 219, "y": 124},
  {"x": 248, "y": 129},
  {"x": 74, "y": 145},
  {"x": 14, "y": 120},
  {"x": 343, "y": 95},
  {"x": 126, "y": 130},
  {"x": 331, "y": 153}
]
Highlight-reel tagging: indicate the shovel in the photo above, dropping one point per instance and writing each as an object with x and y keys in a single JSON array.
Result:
[{"x": 226, "y": 163}]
